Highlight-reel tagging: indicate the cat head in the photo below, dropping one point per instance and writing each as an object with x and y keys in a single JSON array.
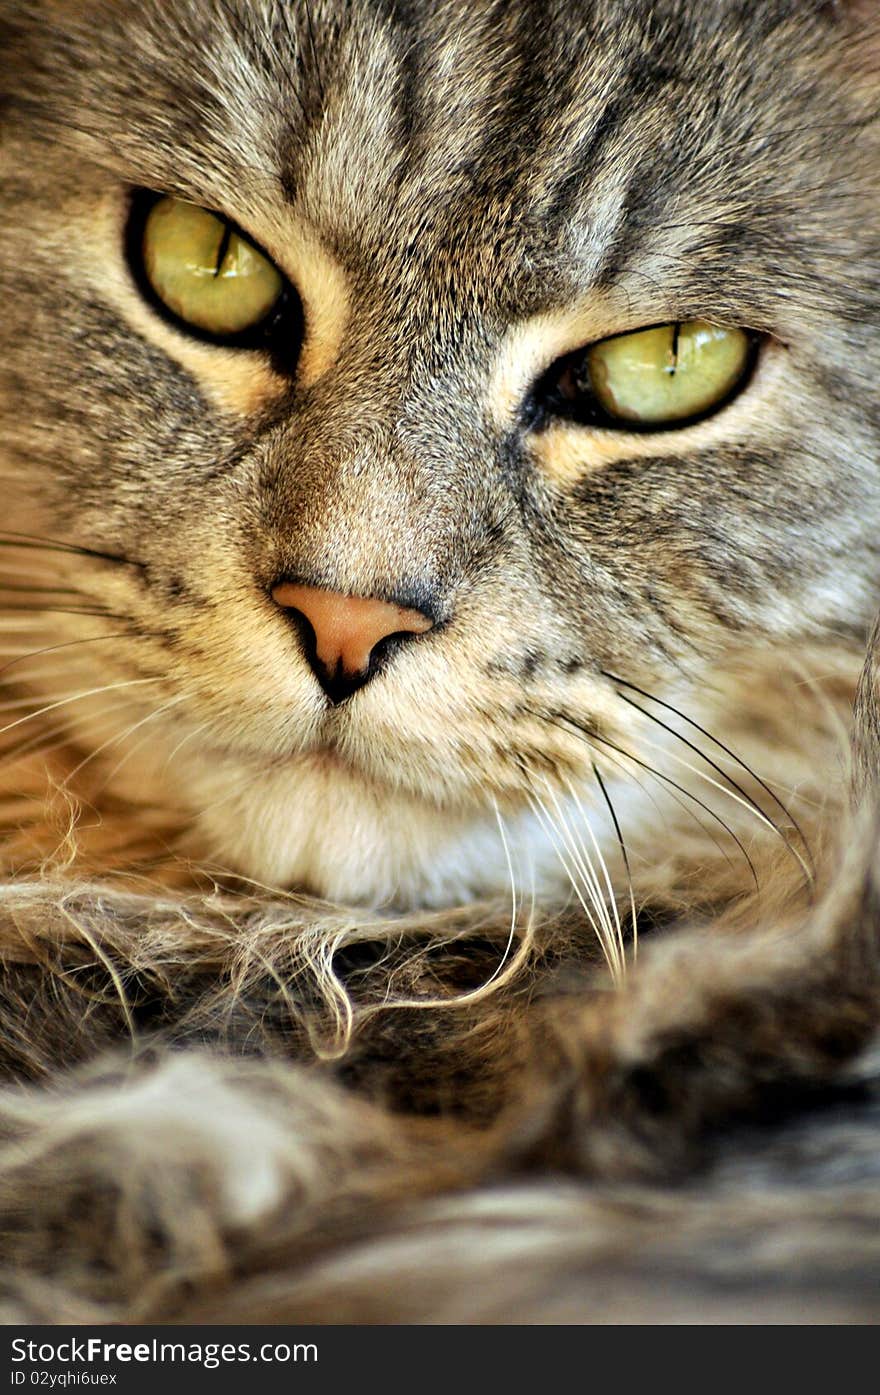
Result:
[{"x": 374, "y": 540}]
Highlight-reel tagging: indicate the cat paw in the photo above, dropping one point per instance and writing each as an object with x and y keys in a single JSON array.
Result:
[{"x": 147, "y": 1178}]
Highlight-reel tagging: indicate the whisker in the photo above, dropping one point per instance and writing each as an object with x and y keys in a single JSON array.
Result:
[
  {"x": 18, "y": 688},
  {"x": 745, "y": 802},
  {"x": 16, "y": 704},
  {"x": 591, "y": 736},
  {"x": 585, "y": 864},
  {"x": 681, "y": 804},
  {"x": 60, "y": 610},
  {"x": 123, "y": 736},
  {"x": 14, "y": 698},
  {"x": 51, "y": 648},
  {"x": 76, "y": 697},
  {"x": 577, "y": 851},
  {"x": 623, "y": 852},
  {"x": 722, "y": 747},
  {"x": 629, "y": 775},
  {"x": 43, "y": 743},
  {"x": 612, "y": 899},
  {"x": 32, "y": 542},
  {"x": 39, "y": 745},
  {"x": 551, "y": 828},
  {"x": 514, "y": 913},
  {"x": 197, "y": 731}
]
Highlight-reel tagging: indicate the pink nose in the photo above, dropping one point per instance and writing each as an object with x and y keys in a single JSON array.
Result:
[{"x": 347, "y": 630}]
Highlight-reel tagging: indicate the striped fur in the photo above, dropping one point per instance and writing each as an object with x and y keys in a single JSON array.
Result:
[{"x": 328, "y": 1014}]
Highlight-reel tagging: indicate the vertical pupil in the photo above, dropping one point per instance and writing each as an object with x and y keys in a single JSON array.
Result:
[
  {"x": 223, "y": 249},
  {"x": 676, "y": 331}
]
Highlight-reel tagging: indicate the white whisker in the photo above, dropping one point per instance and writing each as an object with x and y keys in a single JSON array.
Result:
[
  {"x": 76, "y": 697},
  {"x": 123, "y": 736},
  {"x": 581, "y": 883},
  {"x": 585, "y": 863},
  {"x": 611, "y": 900},
  {"x": 514, "y": 914}
]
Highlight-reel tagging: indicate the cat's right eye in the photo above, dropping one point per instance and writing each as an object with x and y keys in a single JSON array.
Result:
[{"x": 204, "y": 272}]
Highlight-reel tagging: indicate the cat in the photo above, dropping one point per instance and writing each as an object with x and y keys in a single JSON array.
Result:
[{"x": 437, "y": 570}]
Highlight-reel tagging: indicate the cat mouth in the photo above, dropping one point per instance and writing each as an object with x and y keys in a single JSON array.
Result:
[
  {"x": 327, "y": 758},
  {"x": 327, "y": 755}
]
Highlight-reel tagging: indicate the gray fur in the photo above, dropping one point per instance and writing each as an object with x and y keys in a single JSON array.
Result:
[{"x": 276, "y": 1016}]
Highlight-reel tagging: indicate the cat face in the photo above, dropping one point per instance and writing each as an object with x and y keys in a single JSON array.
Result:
[{"x": 459, "y": 200}]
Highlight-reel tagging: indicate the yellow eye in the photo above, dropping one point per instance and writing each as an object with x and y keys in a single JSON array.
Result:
[
  {"x": 656, "y": 377},
  {"x": 204, "y": 272}
]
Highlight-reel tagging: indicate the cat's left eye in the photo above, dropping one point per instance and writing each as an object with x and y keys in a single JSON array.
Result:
[
  {"x": 204, "y": 272},
  {"x": 653, "y": 379}
]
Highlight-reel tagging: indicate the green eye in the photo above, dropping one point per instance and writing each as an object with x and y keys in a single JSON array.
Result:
[
  {"x": 664, "y": 376},
  {"x": 654, "y": 379},
  {"x": 204, "y": 272}
]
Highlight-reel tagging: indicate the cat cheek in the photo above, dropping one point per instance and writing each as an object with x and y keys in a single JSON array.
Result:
[
  {"x": 565, "y": 455},
  {"x": 223, "y": 383}
]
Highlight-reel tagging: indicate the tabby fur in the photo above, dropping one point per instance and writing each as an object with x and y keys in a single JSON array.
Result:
[{"x": 313, "y": 1015}]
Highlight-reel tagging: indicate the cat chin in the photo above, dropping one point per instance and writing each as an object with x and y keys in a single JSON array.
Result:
[{"x": 326, "y": 831}]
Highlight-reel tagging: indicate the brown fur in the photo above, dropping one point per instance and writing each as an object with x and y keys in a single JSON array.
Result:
[{"x": 318, "y": 1015}]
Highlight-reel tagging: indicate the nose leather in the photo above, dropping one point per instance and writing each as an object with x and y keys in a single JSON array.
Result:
[{"x": 348, "y": 628}]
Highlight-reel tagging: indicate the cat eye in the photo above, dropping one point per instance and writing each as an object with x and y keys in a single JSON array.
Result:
[
  {"x": 203, "y": 271},
  {"x": 670, "y": 375}
]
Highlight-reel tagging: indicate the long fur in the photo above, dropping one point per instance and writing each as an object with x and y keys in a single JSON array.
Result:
[{"x": 539, "y": 981}]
